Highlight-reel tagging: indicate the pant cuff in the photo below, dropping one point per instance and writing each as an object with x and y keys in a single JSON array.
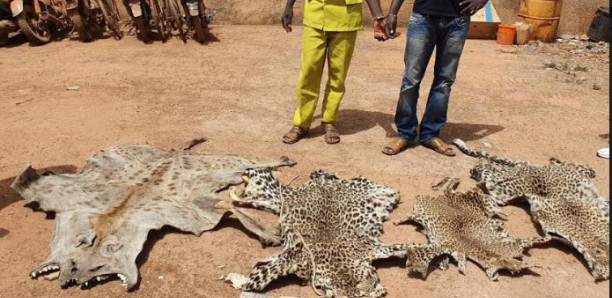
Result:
[
  {"x": 427, "y": 139},
  {"x": 409, "y": 139}
]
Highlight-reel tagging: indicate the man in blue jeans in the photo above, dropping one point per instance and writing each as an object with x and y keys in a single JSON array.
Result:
[{"x": 434, "y": 24}]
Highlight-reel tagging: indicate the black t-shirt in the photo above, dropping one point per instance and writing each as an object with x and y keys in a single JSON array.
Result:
[{"x": 446, "y": 8}]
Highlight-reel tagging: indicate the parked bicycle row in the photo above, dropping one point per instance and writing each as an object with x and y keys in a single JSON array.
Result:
[{"x": 41, "y": 20}]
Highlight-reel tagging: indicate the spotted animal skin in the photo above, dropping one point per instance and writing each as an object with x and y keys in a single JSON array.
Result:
[
  {"x": 463, "y": 226},
  {"x": 330, "y": 229},
  {"x": 104, "y": 214},
  {"x": 563, "y": 200}
]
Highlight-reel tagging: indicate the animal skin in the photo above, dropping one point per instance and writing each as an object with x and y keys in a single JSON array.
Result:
[
  {"x": 104, "y": 214},
  {"x": 563, "y": 200},
  {"x": 330, "y": 229},
  {"x": 463, "y": 226}
]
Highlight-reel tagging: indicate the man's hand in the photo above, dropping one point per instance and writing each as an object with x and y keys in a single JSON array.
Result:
[
  {"x": 287, "y": 19},
  {"x": 470, "y": 7},
  {"x": 391, "y": 28},
  {"x": 379, "y": 30}
]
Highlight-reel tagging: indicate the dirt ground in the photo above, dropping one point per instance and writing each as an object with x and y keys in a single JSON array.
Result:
[{"x": 239, "y": 92}]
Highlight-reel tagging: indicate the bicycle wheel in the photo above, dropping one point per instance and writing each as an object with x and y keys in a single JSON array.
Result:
[
  {"x": 35, "y": 29},
  {"x": 111, "y": 17},
  {"x": 142, "y": 29},
  {"x": 177, "y": 19},
  {"x": 160, "y": 20},
  {"x": 200, "y": 31},
  {"x": 4, "y": 38}
]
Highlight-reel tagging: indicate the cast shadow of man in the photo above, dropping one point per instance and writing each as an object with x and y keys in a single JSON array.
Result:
[{"x": 355, "y": 121}]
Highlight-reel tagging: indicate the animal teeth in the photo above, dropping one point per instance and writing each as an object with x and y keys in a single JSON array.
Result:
[
  {"x": 52, "y": 276},
  {"x": 233, "y": 195},
  {"x": 45, "y": 270},
  {"x": 86, "y": 283},
  {"x": 102, "y": 277},
  {"x": 122, "y": 277}
]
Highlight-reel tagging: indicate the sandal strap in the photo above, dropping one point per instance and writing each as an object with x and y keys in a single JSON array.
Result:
[
  {"x": 440, "y": 146},
  {"x": 332, "y": 135},
  {"x": 331, "y": 130},
  {"x": 397, "y": 144},
  {"x": 298, "y": 130},
  {"x": 294, "y": 134},
  {"x": 436, "y": 144}
]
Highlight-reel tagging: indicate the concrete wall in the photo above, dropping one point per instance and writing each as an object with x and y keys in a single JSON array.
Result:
[
  {"x": 576, "y": 15},
  {"x": 255, "y": 12},
  {"x": 575, "y": 18}
]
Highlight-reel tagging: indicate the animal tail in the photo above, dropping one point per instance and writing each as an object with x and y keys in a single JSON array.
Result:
[
  {"x": 273, "y": 164},
  {"x": 483, "y": 154},
  {"x": 193, "y": 143}
]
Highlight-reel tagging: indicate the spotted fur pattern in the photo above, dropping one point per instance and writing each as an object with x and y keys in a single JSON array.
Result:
[
  {"x": 330, "y": 229},
  {"x": 563, "y": 199},
  {"x": 463, "y": 226},
  {"x": 104, "y": 214}
]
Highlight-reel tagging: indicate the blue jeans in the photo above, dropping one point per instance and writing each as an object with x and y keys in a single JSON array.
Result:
[{"x": 425, "y": 32}]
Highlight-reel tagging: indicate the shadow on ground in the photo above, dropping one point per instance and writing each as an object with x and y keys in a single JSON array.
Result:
[
  {"x": 15, "y": 41},
  {"x": 3, "y": 232},
  {"x": 356, "y": 121},
  {"x": 210, "y": 38}
]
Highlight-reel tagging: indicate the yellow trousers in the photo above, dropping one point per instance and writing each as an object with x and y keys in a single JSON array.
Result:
[{"x": 319, "y": 46}]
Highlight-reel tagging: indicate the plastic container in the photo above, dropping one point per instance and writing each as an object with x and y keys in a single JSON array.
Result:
[
  {"x": 506, "y": 34},
  {"x": 523, "y": 33},
  {"x": 543, "y": 16},
  {"x": 600, "y": 27}
]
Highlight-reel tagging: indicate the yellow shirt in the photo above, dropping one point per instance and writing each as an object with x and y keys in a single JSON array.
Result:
[{"x": 333, "y": 15}]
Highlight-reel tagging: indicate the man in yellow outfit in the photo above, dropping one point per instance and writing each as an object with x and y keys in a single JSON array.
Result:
[{"x": 330, "y": 32}]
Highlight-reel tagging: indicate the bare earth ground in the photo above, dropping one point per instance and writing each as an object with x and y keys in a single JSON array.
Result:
[{"x": 239, "y": 93}]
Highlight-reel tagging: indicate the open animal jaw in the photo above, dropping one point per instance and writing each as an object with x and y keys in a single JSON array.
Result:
[
  {"x": 103, "y": 215},
  {"x": 261, "y": 190},
  {"x": 88, "y": 263},
  {"x": 44, "y": 270},
  {"x": 54, "y": 270}
]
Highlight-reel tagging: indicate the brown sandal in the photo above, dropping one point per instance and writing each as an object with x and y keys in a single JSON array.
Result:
[
  {"x": 396, "y": 146},
  {"x": 332, "y": 136},
  {"x": 294, "y": 135},
  {"x": 440, "y": 146}
]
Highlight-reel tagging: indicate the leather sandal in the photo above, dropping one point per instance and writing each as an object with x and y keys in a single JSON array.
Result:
[
  {"x": 396, "y": 146},
  {"x": 440, "y": 146},
  {"x": 294, "y": 135},
  {"x": 332, "y": 136}
]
